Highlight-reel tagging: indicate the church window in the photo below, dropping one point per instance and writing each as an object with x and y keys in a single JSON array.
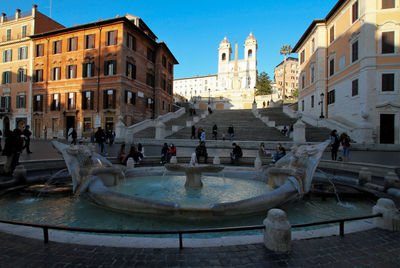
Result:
[
  {"x": 223, "y": 56},
  {"x": 250, "y": 53}
]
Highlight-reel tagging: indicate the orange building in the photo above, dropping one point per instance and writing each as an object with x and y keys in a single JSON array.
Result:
[
  {"x": 16, "y": 50},
  {"x": 95, "y": 74}
]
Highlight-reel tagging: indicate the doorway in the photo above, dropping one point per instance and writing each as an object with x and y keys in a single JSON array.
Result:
[
  {"x": 37, "y": 128},
  {"x": 70, "y": 123},
  {"x": 387, "y": 128},
  {"x": 6, "y": 125}
]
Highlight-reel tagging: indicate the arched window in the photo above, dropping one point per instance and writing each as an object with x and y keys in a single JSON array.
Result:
[
  {"x": 223, "y": 56},
  {"x": 250, "y": 53}
]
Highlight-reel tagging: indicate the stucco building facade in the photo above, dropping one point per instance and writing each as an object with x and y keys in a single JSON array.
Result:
[{"x": 350, "y": 70}]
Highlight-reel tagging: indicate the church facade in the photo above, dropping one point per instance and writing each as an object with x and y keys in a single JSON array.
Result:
[{"x": 234, "y": 83}]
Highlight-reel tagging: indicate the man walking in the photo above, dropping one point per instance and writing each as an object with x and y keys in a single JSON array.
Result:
[{"x": 27, "y": 137}]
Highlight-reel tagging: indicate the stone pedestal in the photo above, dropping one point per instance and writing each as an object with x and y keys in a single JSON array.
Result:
[
  {"x": 364, "y": 176},
  {"x": 189, "y": 123},
  {"x": 160, "y": 131},
  {"x": 196, "y": 119},
  {"x": 257, "y": 163},
  {"x": 299, "y": 132},
  {"x": 391, "y": 180},
  {"x": 130, "y": 163},
  {"x": 277, "y": 232},
  {"x": 390, "y": 219},
  {"x": 216, "y": 160},
  {"x": 173, "y": 160},
  {"x": 120, "y": 130}
]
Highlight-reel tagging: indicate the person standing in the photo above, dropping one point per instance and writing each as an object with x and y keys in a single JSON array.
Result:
[
  {"x": 215, "y": 131},
  {"x": 334, "y": 144},
  {"x": 236, "y": 153},
  {"x": 199, "y": 130},
  {"x": 231, "y": 132},
  {"x": 74, "y": 136},
  {"x": 193, "y": 136},
  {"x": 164, "y": 153},
  {"x": 345, "y": 141},
  {"x": 100, "y": 138},
  {"x": 27, "y": 137},
  {"x": 201, "y": 150},
  {"x": 203, "y": 136}
]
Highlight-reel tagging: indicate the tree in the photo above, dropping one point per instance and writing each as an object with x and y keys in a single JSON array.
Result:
[
  {"x": 263, "y": 84},
  {"x": 296, "y": 92},
  {"x": 285, "y": 50}
]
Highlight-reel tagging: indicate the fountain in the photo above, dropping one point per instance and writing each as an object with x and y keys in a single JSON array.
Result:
[
  {"x": 290, "y": 179},
  {"x": 193, "y": 171}
]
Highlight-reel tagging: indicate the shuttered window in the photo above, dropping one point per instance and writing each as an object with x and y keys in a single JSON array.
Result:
[{"x": 387, "y": 42}]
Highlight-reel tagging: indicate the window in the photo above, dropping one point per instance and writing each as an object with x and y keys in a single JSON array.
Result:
[
  {"x": 71, "y": 71},
  {"x": 354, "y": 87},
  {"x": 331, "y": 96},
  {"x": 164, "y": 61},
  {"x": 223, "y": 56},
  {"x": 21, "y": 76},
  {"x": 250, "y": 53},
  {"x": 354, "y": 12},
  {"x": 23, "y": 53},
  {"x": 130, "y": 97},
  {"x": 57, "y": 47},
  {"x": 164, "y": 84},
  {"x": 112, "y": 38},
  {"x": 170, "y": 68},
  {"x": 55, "y": 102},
  {"x": 342, "y": 62},
  {"x": 88, "y": 69},
  {"x": 163, "y": 105},
  {"x": 169, "y": 88},
  {"x": 151, "y": 55},
  {"x": 8, "y": 35},
  {"x": 38, "y": 76},
  {"x": 38, "y": 103},
  {"x": 55, "y": 73},
  {"x": 6, "y": 102},
  {"x": 302, "y": 105},
  {"x": 387, "y": 42},
  {"x": 388, "y": 4},
  {"x": 131, "y": 42},
  {"x": 150, "y": 80},
  {"x": 72, "y": 43},
  {"x": 89, "y": 41},
  {"x": 303, "y": 81},
  {"x": 354, "y": 51},
  {"x": 387, "y": 82},
  {"x": 39, "y": 50},
  {"x": 110, "y": 67},
  {"x": 21, "y": 101},
  {"x": 7, "y": 55},
  {"x": 312, "y": 101},
  {"x": 312, "y": 74},
  {"x": 302, "y": 56},
  {"x": 87, "y": 124},
  {"x": 332, "y": 34},
  {"x": 23, "y": 31},
  {"x": 88, "y": 100},
  {"x": 109, "y": 99},
  {"x": 331, "y": 67},
  {"x": 130, "y": 70},
  {"x": 6, "y": 77},
  {"x": 70, "y": 101}
]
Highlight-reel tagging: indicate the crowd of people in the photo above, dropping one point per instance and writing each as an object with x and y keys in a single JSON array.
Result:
[{"x": 336, "y": 141}]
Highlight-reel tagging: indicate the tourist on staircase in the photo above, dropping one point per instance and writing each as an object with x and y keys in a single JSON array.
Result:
[
  {"x": 334, "y": 144},
  {"x": 164, "y": 153},
  {"x": 236, "y": 154},
  {"x": 171, "y": 151},
  {"x": 215, "y": 131},
  {"x": 279, "y": 153},
  {"x": 201, "y": 151},
  {"x": 345, "y": 141},
  {"x": 231, "y": 132}
]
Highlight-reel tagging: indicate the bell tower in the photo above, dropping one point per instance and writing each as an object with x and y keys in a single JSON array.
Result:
[
  {"x": 224, "y": 55},
  {"x": 250, "y": 56}
]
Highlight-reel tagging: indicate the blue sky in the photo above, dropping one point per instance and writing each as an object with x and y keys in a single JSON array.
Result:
[{"x": 194, "y": 29}]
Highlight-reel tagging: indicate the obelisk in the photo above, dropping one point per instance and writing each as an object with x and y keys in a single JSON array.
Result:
[{"x": 236, "y": 80}]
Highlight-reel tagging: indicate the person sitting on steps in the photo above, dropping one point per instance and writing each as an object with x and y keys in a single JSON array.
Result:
[
  {"x": 201, "y": 151},
  {"x": 236, "y": 154}
]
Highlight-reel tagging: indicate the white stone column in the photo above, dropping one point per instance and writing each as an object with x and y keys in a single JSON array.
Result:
[
  {"x": 160, "y": 131},
  {"x": 299, "y": 132},
  {"x": 277, "y": 232},
  {"x": 390, "y": 219}
]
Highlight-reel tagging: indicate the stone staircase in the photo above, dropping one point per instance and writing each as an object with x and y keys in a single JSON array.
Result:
[
  {"x": 246, "y": 126},
  {"x": 313, "y": 134}
]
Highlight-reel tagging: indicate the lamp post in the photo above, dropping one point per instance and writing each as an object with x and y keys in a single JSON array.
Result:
[
  {"x": 321, "y": 102},
  {"x": 209, "y": 97}
]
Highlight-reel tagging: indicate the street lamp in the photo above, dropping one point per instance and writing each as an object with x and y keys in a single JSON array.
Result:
[
  {"x": 321, "y": 102},
  {"x": 254, "y": 94},
  {"x": 209, "y": 98}
]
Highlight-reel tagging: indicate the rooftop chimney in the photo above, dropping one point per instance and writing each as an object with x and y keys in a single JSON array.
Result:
[
  {"x": 34, "y": 9},
  {"x": 18, "y": 14},
  {"x": 3, "y": 17}
]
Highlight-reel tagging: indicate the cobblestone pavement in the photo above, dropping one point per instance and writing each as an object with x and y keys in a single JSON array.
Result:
[{"x": 373, "y": 248}]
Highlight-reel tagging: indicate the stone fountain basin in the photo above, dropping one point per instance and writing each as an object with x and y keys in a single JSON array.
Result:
[{"x": 99, "y": 193}]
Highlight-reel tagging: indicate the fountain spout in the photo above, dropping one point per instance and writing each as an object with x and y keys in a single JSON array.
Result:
[{"x": 193, "y": 160}]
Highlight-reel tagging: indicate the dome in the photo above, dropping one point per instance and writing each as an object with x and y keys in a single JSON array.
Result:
[
  {"x": 250, "y": 37},
  {"x": 225, "y": 41}
]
